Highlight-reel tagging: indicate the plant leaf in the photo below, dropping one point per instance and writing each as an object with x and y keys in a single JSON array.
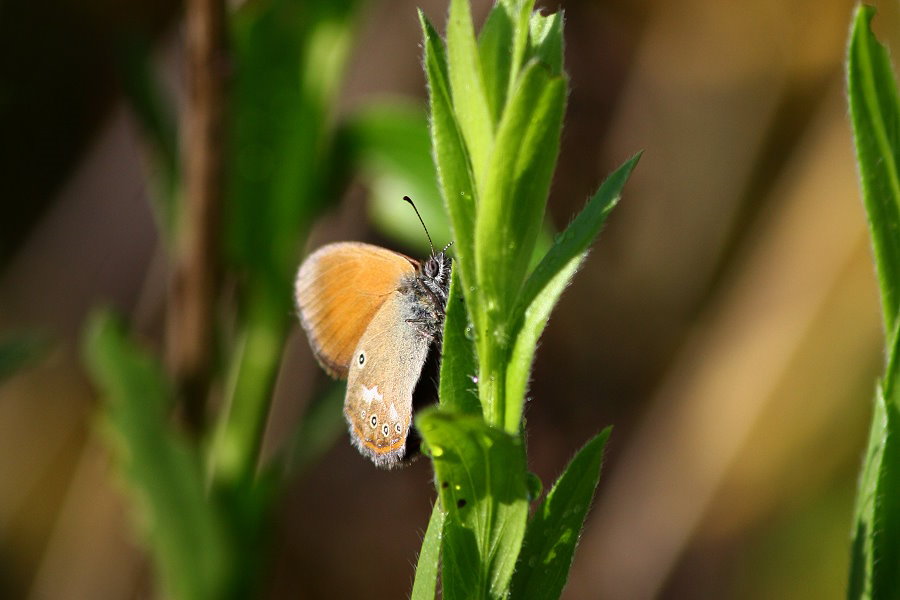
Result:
[
  {"x": 546, "y": 36},
  {"x": 186, "y": 532},
  {"x": 555, "y": 528},
  {"x": 458, "y": 391},
  {"x": 470, "y": 101},
  {"x": 511, "y": 209},
  {"x": 546, "y": 283},
  {"x": 425, "y": 584},
  {"x": 520, "y": 12},
  {"x": 495, "y": 44},
  {"x": 875, "y": 113},
  {"x": 289, "y": 58},
  {"x": 860, "y": 579},
  {"x": 885, "y": 530},
  {"x": 451, "y": 160},
  {"x": 480, "y": 476}
]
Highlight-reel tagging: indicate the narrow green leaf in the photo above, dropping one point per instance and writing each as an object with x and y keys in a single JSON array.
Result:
[
  {"x": 546, "y": 36},
  {"x": 547, "y": 282},
  {"x": 452, "y": 161},
  {"x": 534, "y": 320},
  {"x": 288, "y": 58},
  {"x": 511, "y": 208},
  {"x": 470, "y": 101},
  {"x": 876, "y": 536},
  {"x": 495, "y": 44},
  {"x": 480, "y": 478},
  {"x": 860, "y": 579},
  {"x": 187, "y": 535},
  {"x": 875, "y": 113},
  {"x": 555, "y": 528},
  {"x": 458, "y": 391},
  {"x": 885, "y": 530},
  {"x": 520, "y": 11},
  {"x": 234, "y": 451},
  {"x": 425, "y": 583}
]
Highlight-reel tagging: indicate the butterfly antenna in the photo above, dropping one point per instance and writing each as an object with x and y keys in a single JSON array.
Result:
[{"x": 430, "y": 243}]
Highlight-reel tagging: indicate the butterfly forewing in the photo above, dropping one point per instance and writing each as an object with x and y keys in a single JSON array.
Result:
[{"x": 339, "y": 290}]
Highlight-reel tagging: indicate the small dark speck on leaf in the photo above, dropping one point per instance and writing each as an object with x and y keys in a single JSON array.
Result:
[
  {"x": 444, "y": 485},
  {"x": 460, "y": 503}
]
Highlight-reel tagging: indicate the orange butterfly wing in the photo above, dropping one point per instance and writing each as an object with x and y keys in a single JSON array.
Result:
[{"x": 339, "y": 289}]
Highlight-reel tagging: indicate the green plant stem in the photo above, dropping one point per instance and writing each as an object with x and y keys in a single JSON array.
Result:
[
  {"x": 491, "y": 379},
  {"x": 235, "y": 451}
]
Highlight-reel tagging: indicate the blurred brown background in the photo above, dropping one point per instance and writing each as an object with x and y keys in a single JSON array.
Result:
[{"x": 727, "y": 323}]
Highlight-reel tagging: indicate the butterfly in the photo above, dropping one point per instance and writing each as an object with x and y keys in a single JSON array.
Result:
[{"x": 374, "y": 317}]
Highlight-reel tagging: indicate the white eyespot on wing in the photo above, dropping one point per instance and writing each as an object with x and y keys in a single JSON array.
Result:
[{"x": 371, "y": 394}]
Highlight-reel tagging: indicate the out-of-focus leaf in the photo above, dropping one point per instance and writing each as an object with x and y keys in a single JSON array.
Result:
[
  {"x": 390, "y": 146},
  {"x": 186, "y": 532},
  {"x": 555, "y": 528},
  {"x": 875, "y": 112},
  {"x": 425, "y": 584},
  {"x": 288, "y": 61},
  {"x": 289, "y": 57},
  {"x": 546, "y": 283},
  {"x": 480, "y": 477},
  {"x": 885, "y": 523}
]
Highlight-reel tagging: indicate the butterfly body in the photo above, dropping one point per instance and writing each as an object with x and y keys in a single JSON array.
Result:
[{"x": 373, "y": 316}]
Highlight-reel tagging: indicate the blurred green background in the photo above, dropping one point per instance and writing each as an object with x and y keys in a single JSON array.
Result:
[{"x": 726, "y": 324}]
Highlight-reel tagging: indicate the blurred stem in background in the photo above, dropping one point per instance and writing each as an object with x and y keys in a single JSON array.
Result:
[{"x": 196, "y": 274}]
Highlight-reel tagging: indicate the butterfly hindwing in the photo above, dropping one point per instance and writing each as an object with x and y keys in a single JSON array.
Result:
[{"x": 384, "y": 370}]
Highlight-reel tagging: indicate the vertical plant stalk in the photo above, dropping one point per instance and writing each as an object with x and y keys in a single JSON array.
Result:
[{"x": 195, "y": 279}]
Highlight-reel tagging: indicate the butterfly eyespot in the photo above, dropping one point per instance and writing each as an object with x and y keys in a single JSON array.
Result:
[
  {"x": 384, "y": 429},
  {"x": 374, "y": 420},
  {"x": 362, "y": 358},
  {"x": 397, "y": 428},
  {"x": 362, "y": 413}
]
